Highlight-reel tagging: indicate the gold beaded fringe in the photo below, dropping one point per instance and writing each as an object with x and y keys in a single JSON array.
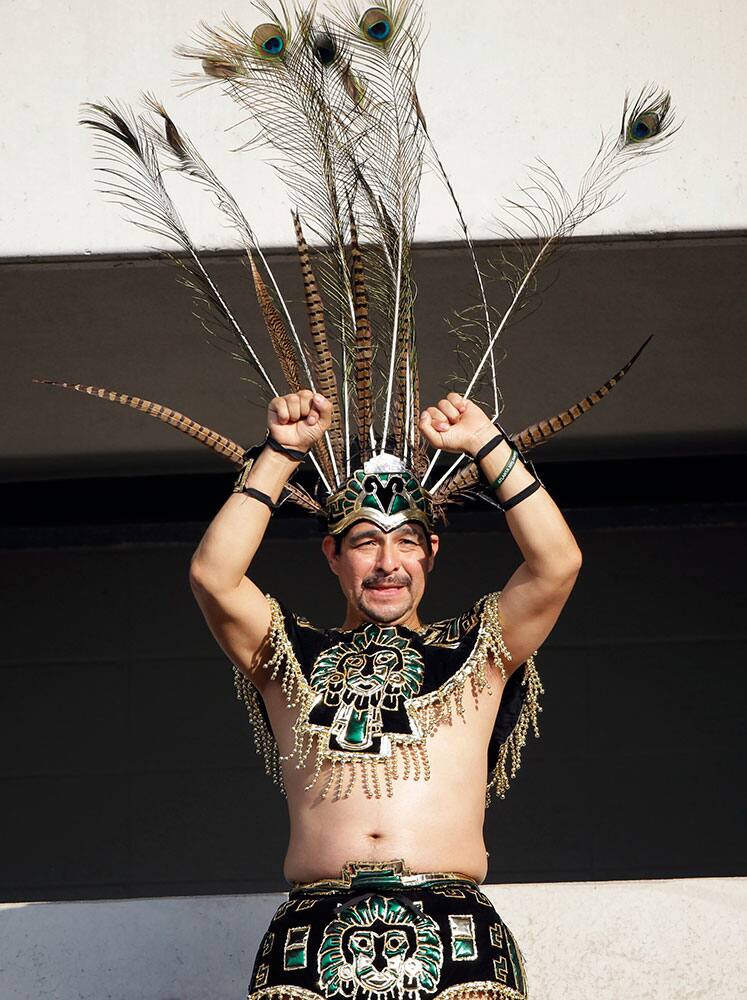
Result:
[{"x": 427, "y": 713}]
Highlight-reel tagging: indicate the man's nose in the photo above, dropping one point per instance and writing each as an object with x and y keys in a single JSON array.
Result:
[{"x": 388, "y": 560}]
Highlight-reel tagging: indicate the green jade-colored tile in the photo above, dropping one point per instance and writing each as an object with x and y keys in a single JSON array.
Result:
[
  {"x": 464, "y": 948},
  {"x": 296, "y": 958},
  {"x": 356, "y": 728}
]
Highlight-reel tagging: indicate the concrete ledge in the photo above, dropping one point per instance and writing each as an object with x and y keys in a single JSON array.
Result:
[{"x": 670, "y": 940}]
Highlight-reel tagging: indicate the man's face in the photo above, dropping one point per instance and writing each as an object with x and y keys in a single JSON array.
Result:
[{"x": 383, "y": 574}]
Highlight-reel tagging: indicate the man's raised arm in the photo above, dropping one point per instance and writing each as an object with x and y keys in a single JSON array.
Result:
[
  {"x": 534, "y": 596},
  {"x": 235, "y": 609}
]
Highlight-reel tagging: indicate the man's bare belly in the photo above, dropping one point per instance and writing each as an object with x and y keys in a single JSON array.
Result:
[{"x": 433, "y": 825}]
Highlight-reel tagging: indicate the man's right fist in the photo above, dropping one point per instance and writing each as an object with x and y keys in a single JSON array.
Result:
[{"x": 299, "y": 419}]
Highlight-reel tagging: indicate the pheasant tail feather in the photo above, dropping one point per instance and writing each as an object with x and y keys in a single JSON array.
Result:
[
  {"x": 222, "y": 445},
  {"x": 363, "y": 348},
  {"x": 323, "y": 361},
  {"x": 281, "y": 341},
  {"x": 467, "y": 477},
  {"x": 217, "y": 442},
  {"x": 540, "y": 432}
]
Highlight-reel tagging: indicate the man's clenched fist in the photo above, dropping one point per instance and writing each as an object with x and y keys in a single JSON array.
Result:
[
  {"x": 299, "y": 419},
  {"x": 456, "y": 424}
]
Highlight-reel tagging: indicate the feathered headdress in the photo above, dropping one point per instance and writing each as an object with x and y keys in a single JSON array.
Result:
[{"x": 333, "y": 95}]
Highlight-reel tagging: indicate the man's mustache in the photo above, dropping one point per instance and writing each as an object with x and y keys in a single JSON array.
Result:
[{"x": 385, "y": 581}]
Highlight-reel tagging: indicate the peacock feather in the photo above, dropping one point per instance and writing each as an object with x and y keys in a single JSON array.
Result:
[{"x": 332, "y": 97}]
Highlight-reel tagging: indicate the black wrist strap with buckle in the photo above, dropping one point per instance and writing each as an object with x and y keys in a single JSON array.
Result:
[
  {"x": 250, "y": 457},
  {"x": 258, "y": 495},
  {"x": 293, "y": 453}
]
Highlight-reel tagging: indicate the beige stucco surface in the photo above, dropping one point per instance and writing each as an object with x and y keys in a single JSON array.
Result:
[
  {"x": 682, "y": 939},
  {"x": 500, "y": 84},
  {"x": 679, "y": 939}
]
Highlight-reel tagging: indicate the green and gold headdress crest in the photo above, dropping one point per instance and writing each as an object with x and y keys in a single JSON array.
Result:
[
  {"x": 334, "y": 97},
  {"x": 384, "y": 492}
]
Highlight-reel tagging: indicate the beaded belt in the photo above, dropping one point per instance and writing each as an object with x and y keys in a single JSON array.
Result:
[{"x": 393, "y": 873}]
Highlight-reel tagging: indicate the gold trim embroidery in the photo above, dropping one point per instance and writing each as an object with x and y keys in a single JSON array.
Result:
[
  {"x": 426, "y": 712},
  {"x": 283, "y": 991},
  {"x": 494, "y": 989}
]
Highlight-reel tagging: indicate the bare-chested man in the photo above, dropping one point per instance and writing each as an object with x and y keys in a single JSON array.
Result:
[{"x": 374, "y": 691}]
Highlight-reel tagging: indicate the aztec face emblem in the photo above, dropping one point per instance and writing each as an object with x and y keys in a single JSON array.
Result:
[
  {"x": 379, "y": 949},
  {"x": 361, "y": 679}
]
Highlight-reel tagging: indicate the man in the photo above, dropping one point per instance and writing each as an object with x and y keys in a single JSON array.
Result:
[{"x": 424, "y": 837}]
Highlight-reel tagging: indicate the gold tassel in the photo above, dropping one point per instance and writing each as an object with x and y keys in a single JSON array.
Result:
[
  {"x": 351, "y": 778},
  {"x": 501, "y": 777}
]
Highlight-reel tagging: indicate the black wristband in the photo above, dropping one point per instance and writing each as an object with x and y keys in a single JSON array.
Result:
[
  {"x": 517, "y": 498},
  {"x": 487, "y": 448},
  {"x": 297, "y": 456},
  {"x": 258, "y": 495}
]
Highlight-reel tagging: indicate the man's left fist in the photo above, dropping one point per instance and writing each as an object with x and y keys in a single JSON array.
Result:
[{"x": 456, "y": 424}]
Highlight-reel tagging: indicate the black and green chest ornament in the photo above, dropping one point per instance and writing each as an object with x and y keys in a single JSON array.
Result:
[
  {"x": 368, "y": 699},
  {"x": 361, "y": 684}
]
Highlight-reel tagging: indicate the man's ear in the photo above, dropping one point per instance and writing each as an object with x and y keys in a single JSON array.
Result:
[
  {"x": 435, "y": 541},
  {"x": 329, "y": 550}
]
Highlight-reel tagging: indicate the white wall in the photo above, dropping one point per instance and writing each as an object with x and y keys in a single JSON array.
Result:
[
  {"x": 656, "y": 940},
  {"x": 500, "y": 84}
]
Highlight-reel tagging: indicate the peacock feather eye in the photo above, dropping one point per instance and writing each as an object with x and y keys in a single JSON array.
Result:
[
  {"x": 376, "y": 24},
  {"x": 644, "y": 127},
  {"x": 325, "y": 49},
  {"x": 270, "y": 39}
]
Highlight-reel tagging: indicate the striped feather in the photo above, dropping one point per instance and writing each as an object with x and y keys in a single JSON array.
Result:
[
  {"x": 326, "y": 381},
  {"x": 538, "y": 433},
  {"x": 281, "y": 341},
  {"x": 468, "y": 476},
  {"x": 363, "y": 348},
  {"x": 222, "y": 445},
  {"x": 399, "y": 423},
  {"x": 419, "y": 457},
  {"x": 217, "y": 442},
  {"x": 462, "y": 481}
]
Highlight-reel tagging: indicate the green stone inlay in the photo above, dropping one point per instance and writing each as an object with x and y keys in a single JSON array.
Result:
[
  {"x": 296, "y": 958},
  {"x": 398, "y": 503},
  {"x": 295, "y": 948},
  {"x": 356, "y": 727},
  {"x": 464, "y": 948}
]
